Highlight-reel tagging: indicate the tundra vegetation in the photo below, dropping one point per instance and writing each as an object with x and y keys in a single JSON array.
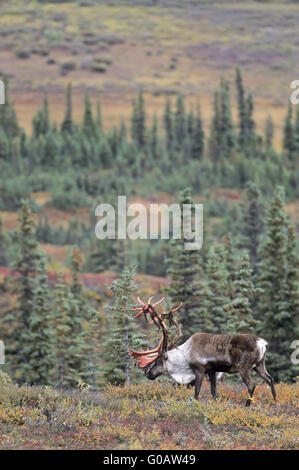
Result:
[{"x": 146, "y": 416}]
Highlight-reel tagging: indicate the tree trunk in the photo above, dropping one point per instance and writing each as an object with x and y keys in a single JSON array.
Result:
[{"x": 127, "y": 348}]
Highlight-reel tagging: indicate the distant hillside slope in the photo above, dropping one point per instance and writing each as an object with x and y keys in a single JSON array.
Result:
[{"x": 164, "y": 46}]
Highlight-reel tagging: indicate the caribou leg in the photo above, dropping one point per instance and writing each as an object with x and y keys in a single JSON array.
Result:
[
  {"x": 264, "y": 374},
  {"x": 199, "y": 375},
  {"x": 212, "y": 377},
  {"x": 246, "y": 377}
]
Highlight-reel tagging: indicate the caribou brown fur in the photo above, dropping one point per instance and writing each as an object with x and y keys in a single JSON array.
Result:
[{"x": 201, "y": 354}]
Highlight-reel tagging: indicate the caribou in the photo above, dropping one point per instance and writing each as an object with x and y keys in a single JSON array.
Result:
[{"x": 202, "y": 353}]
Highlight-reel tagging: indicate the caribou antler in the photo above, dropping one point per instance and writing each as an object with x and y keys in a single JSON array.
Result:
[
  {"x": 145, "y": 358},
  {"x": 159, "y": 301},
  {"x": 172, "y": 321},
  {"x": 148, "y": 308},
  {"x": 138, "y": 308}
]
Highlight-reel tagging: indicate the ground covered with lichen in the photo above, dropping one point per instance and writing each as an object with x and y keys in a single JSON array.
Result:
[{"x": 147, "y": 416}]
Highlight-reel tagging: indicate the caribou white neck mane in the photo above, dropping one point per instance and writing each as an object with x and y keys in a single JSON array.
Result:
[{"x": 177, "y": 365}]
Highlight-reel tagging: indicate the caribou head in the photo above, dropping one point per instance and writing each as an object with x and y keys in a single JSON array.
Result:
[{"x": 152, "y": 361}]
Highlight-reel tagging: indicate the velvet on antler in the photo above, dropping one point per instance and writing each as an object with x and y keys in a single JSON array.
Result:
[
  {"x": 145, "y": 358},
  {"x": 148, "y": 308}
]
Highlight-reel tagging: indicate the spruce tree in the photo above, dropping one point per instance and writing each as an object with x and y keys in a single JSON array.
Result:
[
  {"x": 97, "y": 261},
  {"x": 89, "y": 127},
  {"x": 4, "y": 244},
  {"x": 90, "y": 320},
  {"x": 247, "y": 138},
  {"x": 134, "y": 121},
  {"x": 67, "y": 124},
  {"x": 240, "y": 318},
  {"x": 38, "y": 345},
  {"x": 198, "y": 137},
  {"x": 241, "y": 109},
  {"x": 99, "y": 121},
  {"x": 251, "y": 138},
  {"x": 168, "y": 124},
  {"x": 71, "y": 360},
  {"x": 5, "y": 150},
  {"x": 215, "y": 132},
  {"x": 293, "y": 155},
  {"x": 154, "y": 142},
  {"x": 41, "y": 121},
  {"x": 227, "y": 135},
  {"x": 231, "y": 260},
  {"x": 108, "y": 255},
  {"x": 65, "y": 374},
  {"x": 122, "y": 133},
  {"x": 289, "y": 134},
  {"x": 183, "y": 268},
  {"x": 180, "y": 121},
  {"x": 26, "y": 263},
  {"x": 8, "y": 117},
  {"x": 190, "y": 123},
  {"x": 292, "y": 287},
  {"x": 138, "y": 121},
  {"x": 277, "y": 319},
  {"x": 52, "y": 149},
  {"x": 253, "y": 225},
  {"x": 76, "y": 266},
  {"x": 141, "y": 120},
  {"x": 269, "y": 133},
  {"x": 292, "y": 291},
  {"x": 216, "y": 294},
  {"x": 123, "y": 331}
]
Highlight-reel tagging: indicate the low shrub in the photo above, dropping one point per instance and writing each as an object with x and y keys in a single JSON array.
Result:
[
  {"x": 98, "y": 67},
  {"x": 67, "y": 67},
  {"x": 23, "y": 53},
  {"x": 12, "y": 191},
  {"x": 68, "y": 200},
  {"x": 4, "y": 378},
  {"x": 103, "y": 59}
]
